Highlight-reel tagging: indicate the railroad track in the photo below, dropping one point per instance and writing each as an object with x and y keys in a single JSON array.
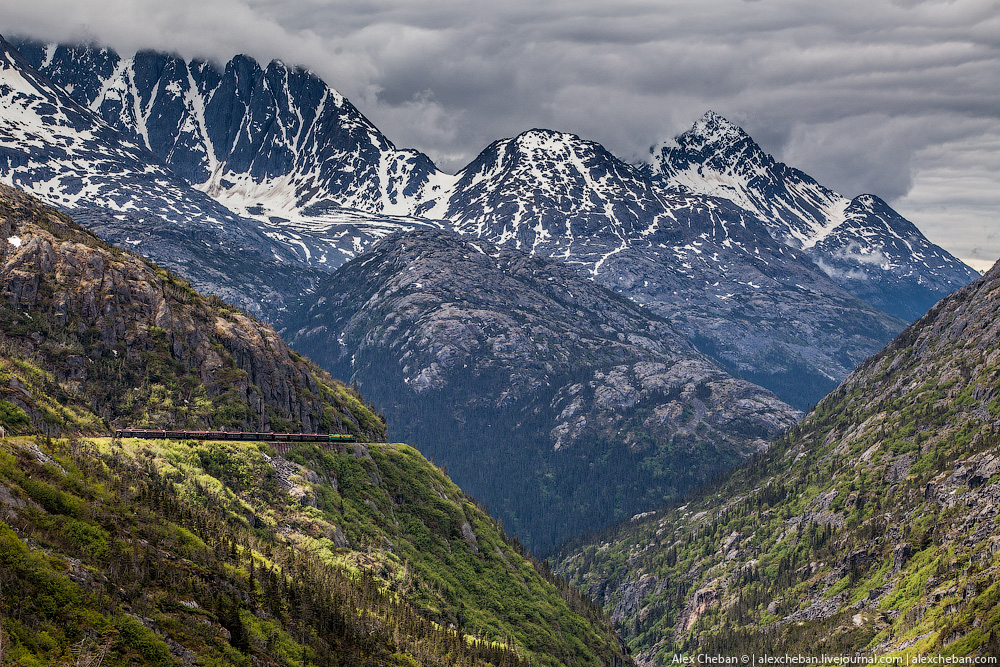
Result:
[{"x": 282, "y": 441}]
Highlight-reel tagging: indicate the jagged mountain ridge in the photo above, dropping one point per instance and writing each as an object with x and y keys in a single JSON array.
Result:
[
  {"x": 762, "y": 309},
  {"x": 266, "y": 142},
  {"x": 560, "y": 404},
  {"x": 243, "y": 133},
  {"x": 545, "y": 192},
  {"x": 553, "y": 194},
  {"x": 61, "y": 152},
  {"x": 861, "y": 243},
  {"x": 870, "y": 528},
  {"x": 271, "y": 143}
]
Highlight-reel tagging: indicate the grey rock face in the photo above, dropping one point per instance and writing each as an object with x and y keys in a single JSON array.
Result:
[
  {"x": 526, "y": 378},
  {"x": 230, "y": 129}
]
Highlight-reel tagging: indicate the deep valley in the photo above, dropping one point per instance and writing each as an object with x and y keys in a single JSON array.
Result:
[{"x": 736, "y": 412}]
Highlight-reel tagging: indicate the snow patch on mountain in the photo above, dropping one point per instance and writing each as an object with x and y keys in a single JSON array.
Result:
[
  {"x": 863, "y": 244},
  {"x": 274, "y": 139}
]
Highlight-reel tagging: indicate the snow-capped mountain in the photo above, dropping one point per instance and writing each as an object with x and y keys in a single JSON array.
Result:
[
  {"x": 272, "y": 140},
  {"x": 762, "y": 308},
  {"x": 274, "y": 144},
  {"x": 277, "y": 144},
  {"x": 60, "y": 151},
  {"x": 761, "y": 266},
  {"x": 552, "y": 193},
  {"x": 864, "y": 245}
]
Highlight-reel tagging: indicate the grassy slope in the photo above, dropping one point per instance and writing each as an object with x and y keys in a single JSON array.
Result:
[
  {"x": 357, "y": 557},
  {"x": 870, "y": 527}
]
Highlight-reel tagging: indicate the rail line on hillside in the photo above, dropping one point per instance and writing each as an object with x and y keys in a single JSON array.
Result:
[{"x": 282, "y": 441}]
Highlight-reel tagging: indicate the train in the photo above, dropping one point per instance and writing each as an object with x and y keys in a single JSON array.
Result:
[{"x": 328, "y": 438}]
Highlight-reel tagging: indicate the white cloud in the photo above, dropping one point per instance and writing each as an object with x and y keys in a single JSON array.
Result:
[{"x": 955, "y": 200}]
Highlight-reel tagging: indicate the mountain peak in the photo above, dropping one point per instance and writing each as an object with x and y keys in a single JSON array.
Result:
[
  {"x": 718, "y": 159},
  {"x": 717, "y": 124},
  {"x": 536, "y": 151},
  {"x": 545, "y": 141},
  {"x": 712, "y": 134},
  {"x": 713, "y": 130}
]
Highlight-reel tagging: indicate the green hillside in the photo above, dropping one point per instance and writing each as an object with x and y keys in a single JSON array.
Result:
[
  {"x": 870, "y": 528},
  {"x": 125, "y": 552},
  {"x": 163, "y": 552}
]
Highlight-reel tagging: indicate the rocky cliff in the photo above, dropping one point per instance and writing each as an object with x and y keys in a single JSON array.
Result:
[
  {"x": 103, "y": 329},
  {"x": 870, "y": 528}
]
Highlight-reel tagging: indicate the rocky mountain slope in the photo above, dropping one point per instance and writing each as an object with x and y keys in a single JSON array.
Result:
[
  {"x": 559, "y": 404},
  {"x": 277, "y": 143},
  {"x": 762, "y": 309},
  {"x": 125, "y": 552},
  {"x": 869, "y": 528},
  {"x": 861, "y": 243},
  {"x": 88, "y": 328}
]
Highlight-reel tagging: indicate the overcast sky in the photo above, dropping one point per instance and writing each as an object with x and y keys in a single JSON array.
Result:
[{"x": 896, "y": 98}]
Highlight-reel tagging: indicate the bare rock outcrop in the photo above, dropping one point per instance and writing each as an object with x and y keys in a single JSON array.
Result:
[{"x": 139, "y": 346}]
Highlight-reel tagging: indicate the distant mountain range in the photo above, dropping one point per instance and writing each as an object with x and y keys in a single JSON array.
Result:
[
  {"x": 273, "y": 144},
  {"x": 258, "y": 183},
  {"x": 53, "y": 147},
  {"x": 762, "y": 309},
  {"x": 711, "y": 233}
]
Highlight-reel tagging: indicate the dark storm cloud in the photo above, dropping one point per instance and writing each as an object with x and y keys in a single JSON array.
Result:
[{"x": 867, "y": 96}]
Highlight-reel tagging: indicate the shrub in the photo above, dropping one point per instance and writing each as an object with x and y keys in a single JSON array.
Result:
[
  {"x": 51, "y": 498},
  {"x": 139, "y": 638},
  {"x": 12, "y": 417}
]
